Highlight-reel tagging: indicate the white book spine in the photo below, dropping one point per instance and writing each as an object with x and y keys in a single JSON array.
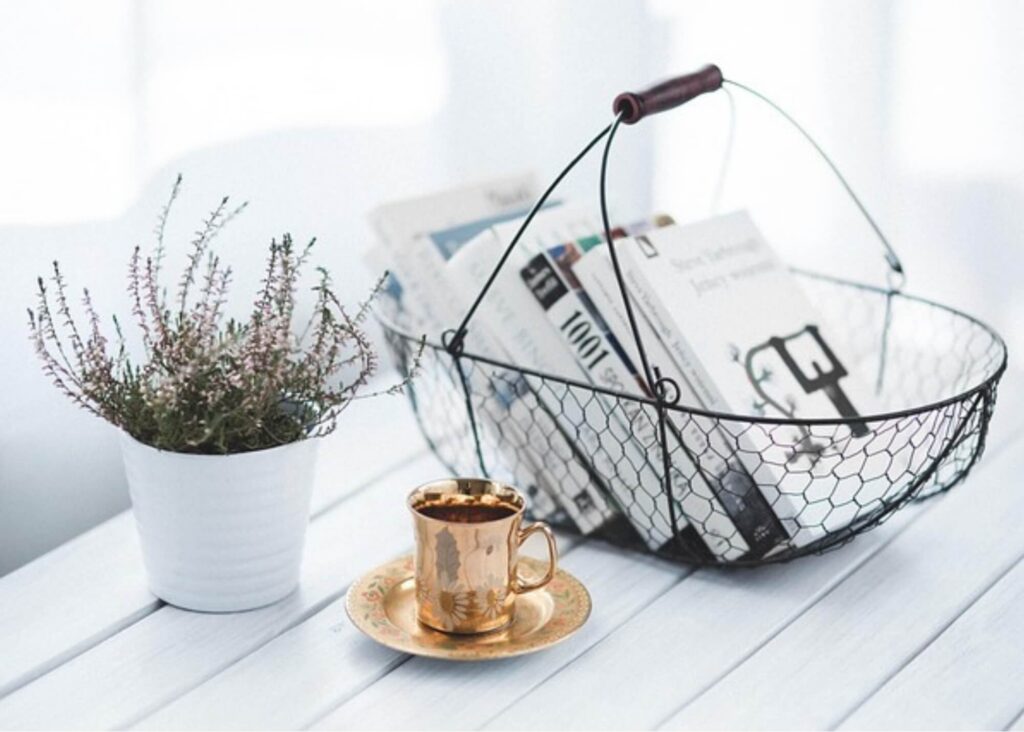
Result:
[
  {"x": 501, "y": 414},
  {"x": 732, "y": 491},
  {"x": 563, "y": 480},
  {"x": 744, "y": 444},
  {"x": 496, "y": 423},
  {"x": 599, "y": 357},
  {"x": 551, "y": 427},
  {"x": 563, "y": 473}
]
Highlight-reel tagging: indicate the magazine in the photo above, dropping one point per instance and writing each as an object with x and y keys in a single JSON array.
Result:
[
  {"x": 417, "y": 236},
  {"x": 403, "y": 229}
]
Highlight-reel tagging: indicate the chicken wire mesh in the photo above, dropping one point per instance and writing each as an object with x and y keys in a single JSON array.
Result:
[
  {"x": 710, "y": 488},
  {"x": 742, "y": 489}
]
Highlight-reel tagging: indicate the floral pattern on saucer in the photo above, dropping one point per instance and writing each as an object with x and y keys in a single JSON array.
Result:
[{"x": 391, "y": 586}]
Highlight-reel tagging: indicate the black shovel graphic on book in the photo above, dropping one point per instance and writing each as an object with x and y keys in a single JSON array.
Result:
[
  {"x": 825, "y": 380},
  {"x": 821, "y": 380}
]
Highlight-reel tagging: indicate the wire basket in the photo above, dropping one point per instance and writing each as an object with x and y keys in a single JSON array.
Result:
[{"x": 936, "y": 374}]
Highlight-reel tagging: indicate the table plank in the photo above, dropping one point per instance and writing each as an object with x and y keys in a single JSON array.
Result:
[
  {"x": 327, "y": 660},
  {"x": 708, "y": 621},
  {"x": 94, "y": 586},
  {"x": 431, "y": 694},
  {"x": 162, "y": 654},
  {"x": 819, "y": 668},
  {"x": 706, "y": 626},
  {"x": 970, "y": 677},
  {"x": 50, "y": 610},
  {"x": 247, "y": 696},
  {"x": 171, "y": 651},
  {"x": 674, "y": 648}
]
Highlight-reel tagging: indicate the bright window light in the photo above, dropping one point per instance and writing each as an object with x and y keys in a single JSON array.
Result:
[{"x": 97, "y": 96}]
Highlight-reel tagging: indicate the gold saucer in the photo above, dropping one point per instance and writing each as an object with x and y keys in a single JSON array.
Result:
[{"x": 383, "y": 605}]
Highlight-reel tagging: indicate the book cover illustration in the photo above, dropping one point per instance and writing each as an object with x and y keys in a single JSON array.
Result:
[{"x": 765, "y": 351}]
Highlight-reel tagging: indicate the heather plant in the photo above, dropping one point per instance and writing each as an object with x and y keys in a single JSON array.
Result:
[{"x": 206, "y": 383}]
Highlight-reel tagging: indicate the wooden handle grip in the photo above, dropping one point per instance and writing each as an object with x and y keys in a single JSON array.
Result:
[{"x": 634, "y": 106}]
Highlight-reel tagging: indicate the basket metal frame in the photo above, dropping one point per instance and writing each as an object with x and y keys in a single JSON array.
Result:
[{"x": 980, "y": 396}]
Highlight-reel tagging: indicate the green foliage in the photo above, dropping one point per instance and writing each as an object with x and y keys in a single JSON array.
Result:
[{"x": 207, "y": 384}]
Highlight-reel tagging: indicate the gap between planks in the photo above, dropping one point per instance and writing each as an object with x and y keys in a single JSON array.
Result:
[
  {"x": 342, "y": 700},
  {"x": 137, "y": 671},
  {"x": 148, "y": 604},
  {"x": 854, "y": 680},
  {"x": 944, "y": 685},
  {"x": 863, "y": 545},
  {"x": 936, "y": 635},
  {"x": 126, "y": 622},
  {"x": 227, "y": 688}
]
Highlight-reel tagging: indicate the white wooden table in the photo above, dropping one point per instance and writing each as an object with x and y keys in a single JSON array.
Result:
[{"x": 917, "y": 624}]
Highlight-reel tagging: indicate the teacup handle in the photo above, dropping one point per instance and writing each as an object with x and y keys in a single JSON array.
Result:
[{"x": 522, "y": 585}]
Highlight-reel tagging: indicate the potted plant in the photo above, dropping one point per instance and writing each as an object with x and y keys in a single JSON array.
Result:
[{"x": 218, "y": 416}]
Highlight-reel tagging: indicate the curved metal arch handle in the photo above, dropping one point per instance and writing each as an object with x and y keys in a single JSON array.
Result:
[{"x": 630, "y": 108}]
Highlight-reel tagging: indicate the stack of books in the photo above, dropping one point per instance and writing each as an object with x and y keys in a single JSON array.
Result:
[{"x": 717, "y": 312}]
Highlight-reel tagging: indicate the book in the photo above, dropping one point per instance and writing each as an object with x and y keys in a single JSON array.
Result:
[
  {"x": 558, "y": 439},
  {"x": 700, "y": 448},
  {"x": 416, "y": 238},
  {"x": 603, "y": 359},
  {"x": 721, "y": 506},
  {"x": 725, "y": 305},
  {"x": 607, "y": 433},
  {"x": 717, "y": 313},
  {"x": 520, "y": 421}
]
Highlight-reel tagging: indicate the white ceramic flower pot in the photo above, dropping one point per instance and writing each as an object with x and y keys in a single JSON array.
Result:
[{"x": 221, "y": 533}]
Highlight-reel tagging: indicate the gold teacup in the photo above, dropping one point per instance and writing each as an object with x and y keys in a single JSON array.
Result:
[{"x": 468, "y": 534}]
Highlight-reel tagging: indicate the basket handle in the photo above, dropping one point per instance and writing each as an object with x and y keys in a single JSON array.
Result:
[{"x": 631, "y": 107}]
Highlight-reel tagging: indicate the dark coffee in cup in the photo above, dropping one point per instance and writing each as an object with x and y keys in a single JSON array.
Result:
[{"x": 466, "y": 514}]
